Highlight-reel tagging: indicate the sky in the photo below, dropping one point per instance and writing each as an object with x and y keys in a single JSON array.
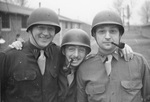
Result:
[{"x": 83, "y": 10}]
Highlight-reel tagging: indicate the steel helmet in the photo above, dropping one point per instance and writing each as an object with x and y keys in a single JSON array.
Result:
[
  {"x": 76, "y": 37},
  {"x": 107, "y": 17},
  {"x": 43, "y": 16}
]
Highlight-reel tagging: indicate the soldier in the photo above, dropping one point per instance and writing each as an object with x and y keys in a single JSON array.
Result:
[
  {"x": 30, "y": 74},
  {"x": 74, "y": 47},
  {"x": 107, "y": 77}
]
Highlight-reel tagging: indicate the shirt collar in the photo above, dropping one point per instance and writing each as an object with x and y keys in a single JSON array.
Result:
[
  {"x": 36, "y": 51},
  {"x": 115, "y": 55}
]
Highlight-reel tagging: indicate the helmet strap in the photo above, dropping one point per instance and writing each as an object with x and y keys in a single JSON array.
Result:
[{"x": 35, "y": 40}]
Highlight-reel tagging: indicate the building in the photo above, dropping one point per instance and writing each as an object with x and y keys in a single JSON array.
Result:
[{"x": 13, "y": 20}]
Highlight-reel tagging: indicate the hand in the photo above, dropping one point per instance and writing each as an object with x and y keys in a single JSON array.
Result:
[
  {"x": 17, "y": 45},
  {"x": 127, "y": 52}
]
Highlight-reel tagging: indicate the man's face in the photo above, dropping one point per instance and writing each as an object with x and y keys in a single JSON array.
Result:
[
  {"x": 75, "y": 52},
  {"x": 43, "y": 35},
  {"x": 104, "y": 35}
]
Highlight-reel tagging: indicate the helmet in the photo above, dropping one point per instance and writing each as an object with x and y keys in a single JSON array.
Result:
[
  {"x": 43, "y": 16},
  {"x": 76, "y": 37},
  {"x": 107, "y": 17}
]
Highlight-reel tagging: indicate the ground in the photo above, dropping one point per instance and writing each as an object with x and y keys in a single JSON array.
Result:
[{"x": 136, "y": 40}]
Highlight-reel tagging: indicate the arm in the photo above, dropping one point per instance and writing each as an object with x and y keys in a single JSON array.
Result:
[
  {"x": 127, "y": 52},
  {"x": 2, "y": 60},
  {"x": 146, "y": 81},
  {"x": 81, "y": 94}
]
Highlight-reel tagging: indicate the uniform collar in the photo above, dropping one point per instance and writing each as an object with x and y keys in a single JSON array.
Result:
[
  {"x": 115, "y": 55},
  {"x": 36, "y": 51}
]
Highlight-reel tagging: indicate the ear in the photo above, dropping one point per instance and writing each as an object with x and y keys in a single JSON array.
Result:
[
  {"x": 120, "y": 36},
  {"x": 94, "y": 34},
  {"x": 30, "y": 31},
  {"x": 63, "y": 51}
]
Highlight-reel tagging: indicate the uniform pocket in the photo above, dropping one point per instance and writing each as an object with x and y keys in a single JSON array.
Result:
[
  {"x": 131, "y": 91},
  {"x": 132, "y": 85},
  {"x": 96, "y": 92},
  {"x": 95, "y": 89},
  {"x": 24, "y": 75}
]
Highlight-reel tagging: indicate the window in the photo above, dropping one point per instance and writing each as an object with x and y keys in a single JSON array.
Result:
[
  {"x": 78, "y": 25},
  {"x": 24, "y": 21},
  {"x": 66, "y": 25},
  {"x": 5, "y": 20},
  {"x": 71, "y": 25}
]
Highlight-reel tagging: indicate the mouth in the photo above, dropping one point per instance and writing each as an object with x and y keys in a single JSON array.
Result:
[
  {"x": 44, "y": 36},
  {"x": 74, "y": 60},
  {"x": 108, "y": 42}
]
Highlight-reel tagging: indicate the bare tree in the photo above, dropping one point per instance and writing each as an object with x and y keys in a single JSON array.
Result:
[
  {"x": 130, "y": 7},
  {"x": 145, "y": 12},
  {"x": 117, "y": 4}
]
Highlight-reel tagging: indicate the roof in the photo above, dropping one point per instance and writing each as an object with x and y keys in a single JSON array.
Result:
[
  {"x": 63, "y": 18},
  {"x": 11, "y": 8}
]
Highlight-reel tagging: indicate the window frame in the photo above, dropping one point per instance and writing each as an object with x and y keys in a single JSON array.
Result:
[{"x": 7, "y": 22}]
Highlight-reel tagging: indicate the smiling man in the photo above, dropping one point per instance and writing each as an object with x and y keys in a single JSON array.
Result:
[
  {"x": 30, "y": 74},
  {"x": 75, "y": 46}
]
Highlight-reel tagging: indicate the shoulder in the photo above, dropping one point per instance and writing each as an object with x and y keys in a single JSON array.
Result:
[
  {"x": 55, "y": 46},
  {"x": 12, "y": 51},
  {"x": 139, "y": 58},
  {"x": 138, "y": 55},
  {"x": 88, "y": 62},
  {"x": 90, "y": 56},
  {"x": 54, "y": 50}
]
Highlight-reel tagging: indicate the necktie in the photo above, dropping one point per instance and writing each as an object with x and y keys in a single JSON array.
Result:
[
  {"x": 108, "y": 64},
  {"x": 70, "y": 77},
  {"x": 41, "y": 61}
]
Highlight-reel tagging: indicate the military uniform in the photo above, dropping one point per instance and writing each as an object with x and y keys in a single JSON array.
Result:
[{"x": 22, "y": 78}]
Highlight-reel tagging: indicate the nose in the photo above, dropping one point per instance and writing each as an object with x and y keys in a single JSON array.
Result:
[
  {"x": 46, "y": 31},
  {"x": 107, "y": 36},
  {"x": 76, "y": 53}
]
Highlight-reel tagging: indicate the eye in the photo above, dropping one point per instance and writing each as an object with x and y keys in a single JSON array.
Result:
[
  {"x": 50, "y": 28},
  {"x": 82, "y": 49},
  {"x": 71, "y": 49},
  {"x": 101, "y": 31},
  {"x": 113, "y": 31},
  {"x": 40, "y": 27}
]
